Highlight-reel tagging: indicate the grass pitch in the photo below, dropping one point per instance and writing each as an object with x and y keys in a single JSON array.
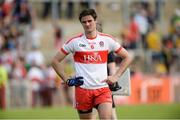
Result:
[{"x": 155, "y": 111}]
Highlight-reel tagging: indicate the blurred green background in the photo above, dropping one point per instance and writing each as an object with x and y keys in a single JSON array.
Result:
[{"x": 161, "y": 111}]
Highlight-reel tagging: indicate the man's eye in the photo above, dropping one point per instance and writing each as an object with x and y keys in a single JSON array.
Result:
[{"x": 87, "y": 21}]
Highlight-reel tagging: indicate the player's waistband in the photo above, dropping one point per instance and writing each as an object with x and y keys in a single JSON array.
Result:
[{"x": 94, "y": 87}]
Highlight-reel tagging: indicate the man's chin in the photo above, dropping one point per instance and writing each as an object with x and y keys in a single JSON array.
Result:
[{"x": 88, "y": 32}]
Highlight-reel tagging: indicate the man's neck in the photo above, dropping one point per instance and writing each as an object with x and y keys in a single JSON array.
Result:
[{"x": 91, "y": 34}]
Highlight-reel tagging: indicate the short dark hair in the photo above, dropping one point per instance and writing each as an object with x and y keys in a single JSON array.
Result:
[{"x": 88, "y": 12}]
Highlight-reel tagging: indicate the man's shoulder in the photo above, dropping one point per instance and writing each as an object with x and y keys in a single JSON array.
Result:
[
  {"x": 74, "y": 38},
  {"x": 106, "y": 35}
]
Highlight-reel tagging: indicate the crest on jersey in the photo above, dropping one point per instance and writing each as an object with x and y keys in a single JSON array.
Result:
[
  {"x": 101, "y": 43},
  {"x": 92, "y": 46}
]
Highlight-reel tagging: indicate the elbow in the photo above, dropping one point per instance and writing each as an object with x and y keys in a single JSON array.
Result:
[{"x": 130, "y": 58}]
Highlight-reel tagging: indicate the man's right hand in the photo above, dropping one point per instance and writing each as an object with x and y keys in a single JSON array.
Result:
[
  {"x": 114, "y": 87},
  {"x": 77, "y": 81}
]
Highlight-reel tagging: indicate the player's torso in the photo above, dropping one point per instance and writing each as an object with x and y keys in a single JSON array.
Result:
[{"x": 90, "y": 57}]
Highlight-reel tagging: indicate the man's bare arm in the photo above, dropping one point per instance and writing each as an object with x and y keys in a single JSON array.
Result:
[
  {"x": 56, "y": 64},
  {"x": 112, "y": 68},
  {"x": 126, "y": 60}
]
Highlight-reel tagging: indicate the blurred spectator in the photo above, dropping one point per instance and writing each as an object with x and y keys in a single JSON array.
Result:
[
  {"x": 22, "y": 14},
  {"x": 47, "y": 88},
  {"x": 168, "y": 47},
  {"x": 5, "y": 8},
  {"x": 8, "y": 57},
  {"x": 46, "y": 8},
  {"x": 13, "y": 40},
  {"x": 36, "y": 76},
  {"x": 142, "y": 21},
  {"x": 145, "y": 4},
  {"x": 154, "y": 45},
  {"x": 5, "y": 13},
  {"x": 35, "y": 56},
  {"x": 18, "y": 83},
  {"x": 3, "y": 84},
  {"x": 174, "y": 21},
  {"x": 150, "y": 13},
  {"x": 171, "y": 43},
  {"x": 34, "y": 36},
  {"x": 18, "y": 69},
  {"x": 176, "y": 35},
  {"x": 150, "y": 16},
  {"x": 57, "y": 36},
  {"x": 131, "y": 34},
  {"x": 153, "y": 40}
]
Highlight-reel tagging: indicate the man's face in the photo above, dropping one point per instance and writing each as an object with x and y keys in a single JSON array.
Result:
[{"x": 88, "y": 23}]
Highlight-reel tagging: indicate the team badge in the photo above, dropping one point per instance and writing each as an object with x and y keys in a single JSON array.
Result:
[
  {"x": 101, "y": 43},
  {"x": 92, "y": 46}
]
